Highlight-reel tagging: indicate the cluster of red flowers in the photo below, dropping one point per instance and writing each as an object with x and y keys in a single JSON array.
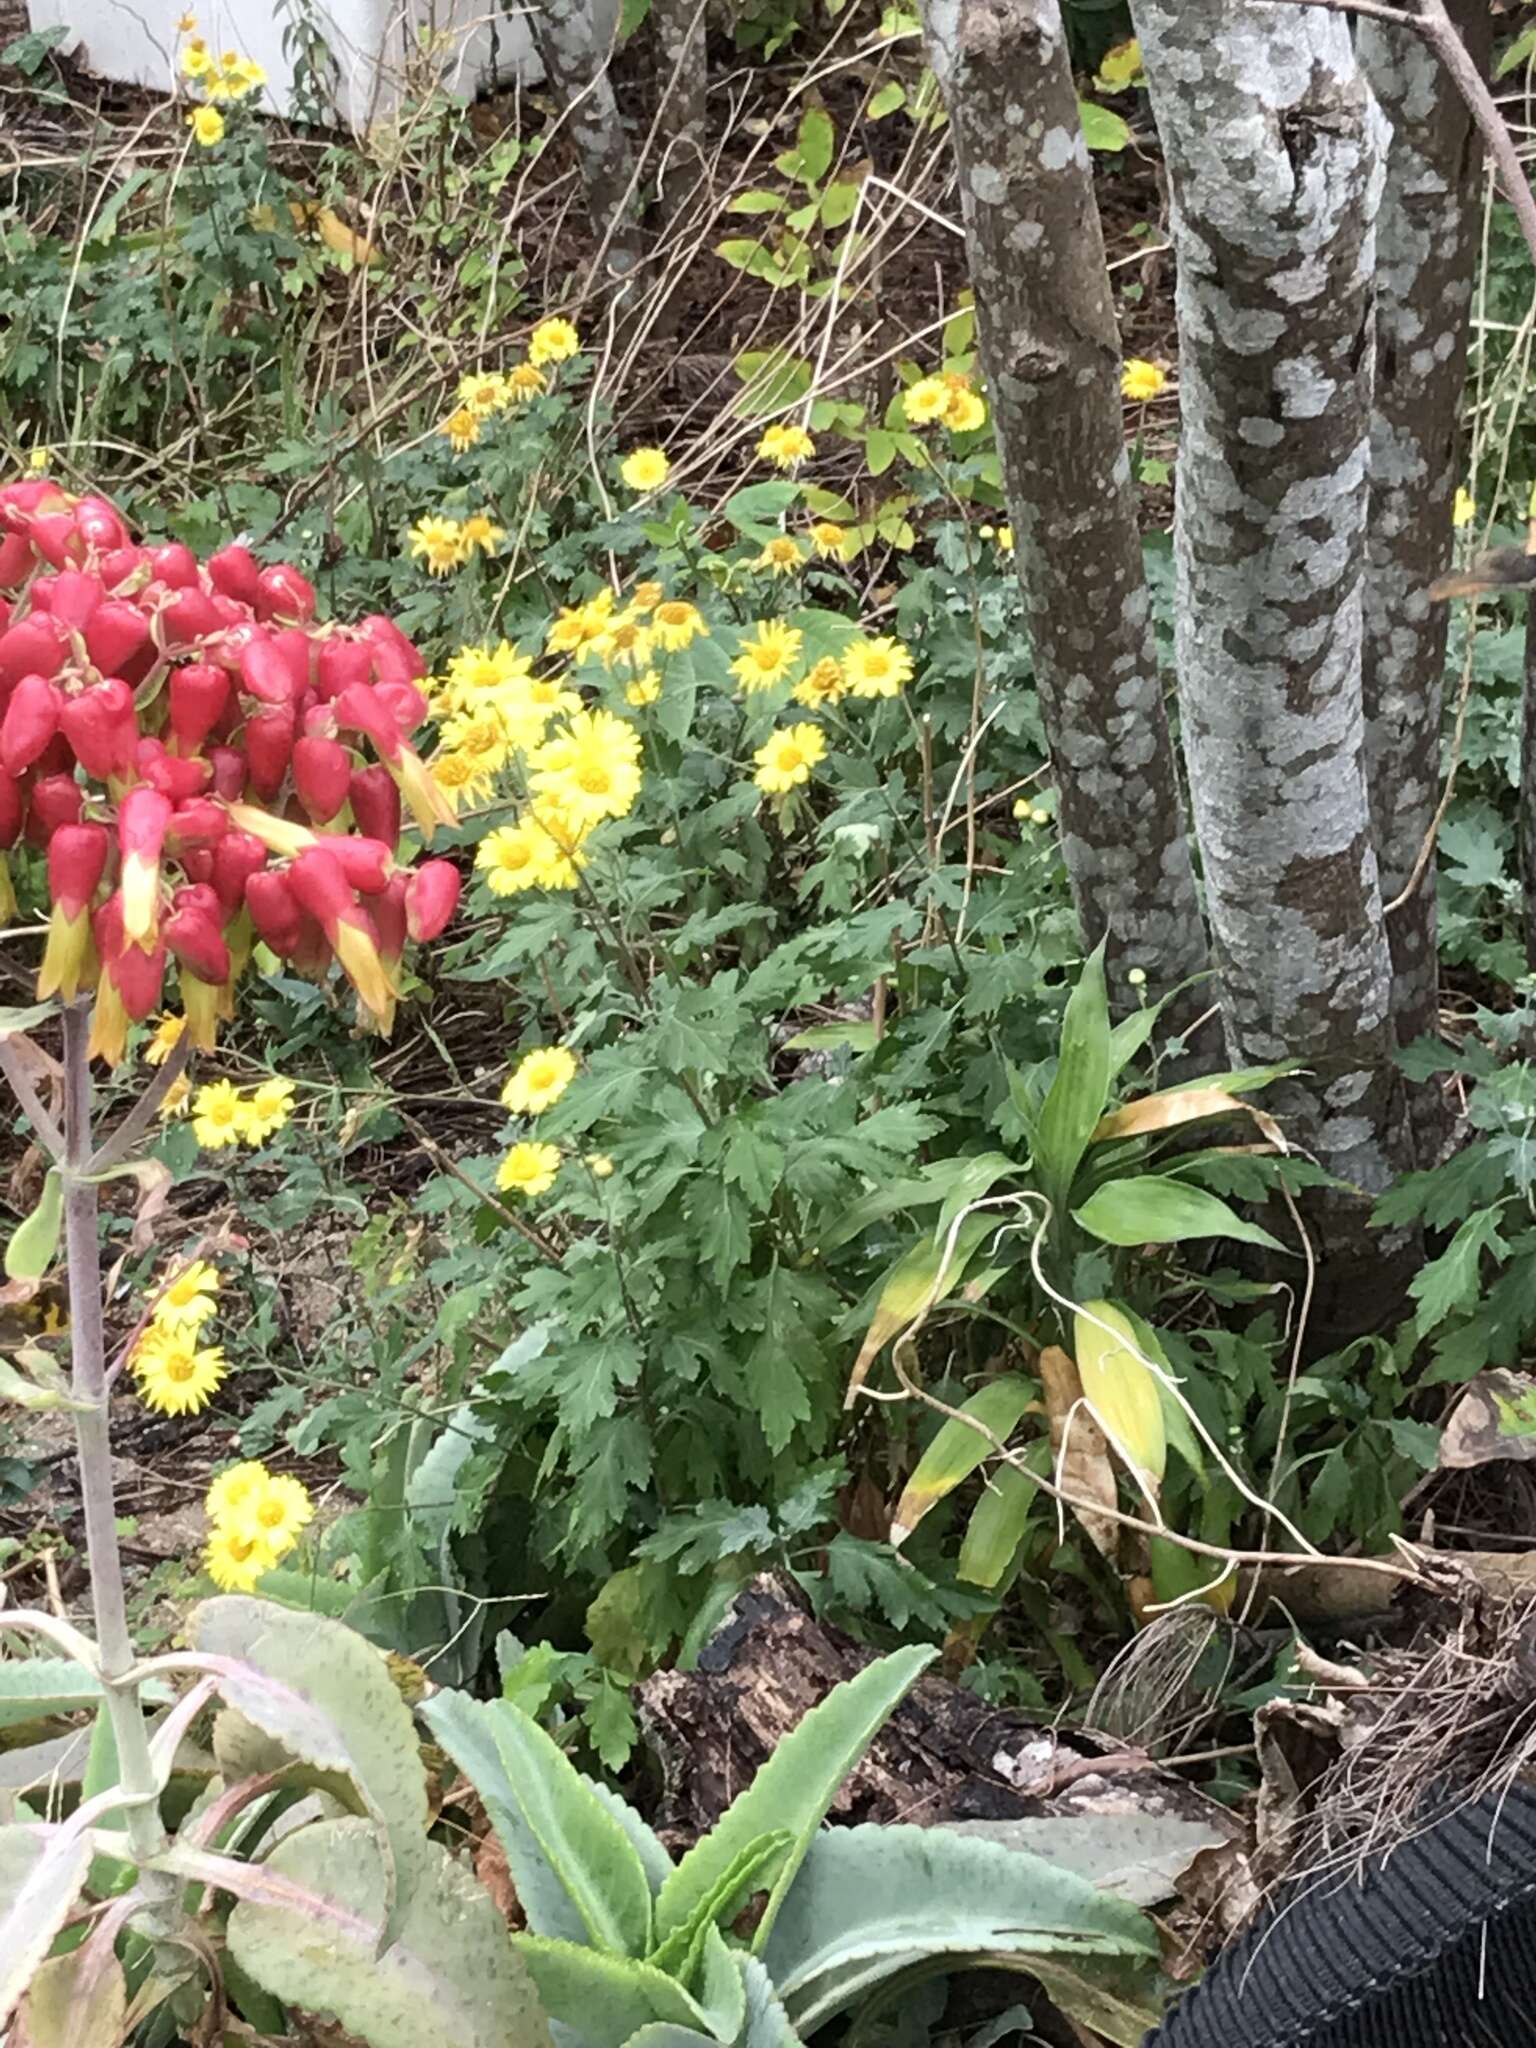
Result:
[{"x": 186, "y": 741}]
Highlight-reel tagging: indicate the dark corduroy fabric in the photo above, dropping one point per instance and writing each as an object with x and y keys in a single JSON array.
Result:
[{"x": 1434, "y": 1948}]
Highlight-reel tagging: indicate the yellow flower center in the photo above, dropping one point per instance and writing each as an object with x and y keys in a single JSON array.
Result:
[{"x": 595, "y": 780}]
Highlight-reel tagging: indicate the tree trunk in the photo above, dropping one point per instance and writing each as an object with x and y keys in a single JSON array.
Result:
[
  {"x": 575, "y": 58},
  {"x": 1527, "y": 825},
  {"x": 1426, "y": 262},
  {"x": 1051, "y": 354},
  {"x": 681, "y": 81},
  {"x": 1275, "y": 151}
]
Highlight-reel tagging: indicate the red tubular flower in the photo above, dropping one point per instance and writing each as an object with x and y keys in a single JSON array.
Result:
[
  {"x": 175, "y": 566},
  {"x": 58, "y": 539},
  {"x": 320, "y": 887},
  {"x": 16, "y": 560},
  {"x": 404, "y": 702},
  {"x": 169, "y": 773},
  {"x": 193, "y": 935},
  {"x": 116, "y": 635},
  {"x": 376, "y": 805},
  {"x": 228, "y": 765},
  {"x": 71, "y": 598},
  {"x": 388, "y": 913},
  {"x": 198, "y": 821},
  {"x": 235, "y": 572},
  {"x": 237, "y": 857},
  {"x": 296, "y": 648},
  {"x": 264, "y": 672},
  {"x": 102, "y": 727},
  {"x": 269, "y": 748},
  {"x": 130, "y": 983},
  {"x": 322, "y": 776},
  {"x": 12, "y": 809},
  {"x": 30, "y": 722},
  {"x": 124, "y": 569},
  {"x": 360, "y": 709},
  {"x": 196, "y": 696},
  {"x": 431, "y": 898},
  {"x": 34, "y": 646},
  {"x": 340, "y": 662},
  {"x": 100, "y": 524},
  {"x": 274, "y": 912},
  {"x": 282, "y": 593},
  {"x": 189, "y": 618},
  {"x": 77, "y": 860},
  {"x": 55, "y": 800},
  {"x": 143, "y": 818},
  {"x": 406, "y": 658},
  {"x": 366, "y": 863}
]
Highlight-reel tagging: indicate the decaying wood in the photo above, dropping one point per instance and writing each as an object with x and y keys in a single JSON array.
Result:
[{"x": 944, "y": 1755}]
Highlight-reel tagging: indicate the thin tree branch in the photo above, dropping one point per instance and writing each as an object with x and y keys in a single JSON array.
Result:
[
  {"x": 1435, "y": 25},
  {"x": 133, "y": 1126},
  {"x": 14, "y": 1069}
]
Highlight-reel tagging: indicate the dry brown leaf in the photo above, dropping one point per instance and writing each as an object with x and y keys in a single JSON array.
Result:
[
  {"x": 1171, "y": 1107},
  {"x": 1495, "y": 1419},
  {"x": 1083, "y": 1466}
]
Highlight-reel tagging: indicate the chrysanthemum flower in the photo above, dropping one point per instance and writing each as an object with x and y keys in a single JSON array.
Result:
[
  {"x": 482, "y": 392},
  {"x": 236, "y": 1557},
  {"x": 267, "y": 1109},
  {"x": 786, "y": 445},
  {"x": 645, "y": 469},
  {"x": 788, "y": 757},
  {"x": 677, "y": 624},
  {"x": 590, "y": 767},
  {"x": 461, "y": 429},
  {"x": 925, "y": 401},
  {"x": 176, "y": 1375},
  {"x": 646, "y": 598},
  {"x": 439, "y": 543},
  {"x": 829, "y": 539},
  {"x": 539, "y": 1079},
  {"x": 876, "y": 668},
  {"x": 480, "y": 531},
  {"x": 644, "y": 689},
  {"x": 207, "y": 125},
  {"x": 823, "y": 684},
  {"x": 767, "y": 659},
  {"x": 626, "y": 644},
  {"x": 781, "y": 556},
  {"x": 1141, "y": 380},
  {"x": 552, "y": 341},
  {"x": 966, "y": 410},
  {"x": 189, "y": 1298},
  {"x": 233, "y": 1487},
  {"x": 525, "y": 381},
  {"x": 167, "y": 1036},
  {"x": 578, "y": 625},
  {"x": 218, "y": 1115},
  {"x": 276, "y": 1509},
  {"x": 528, "y": 1169}
]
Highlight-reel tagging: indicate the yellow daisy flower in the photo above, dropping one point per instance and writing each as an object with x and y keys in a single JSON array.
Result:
[
  {"x": 218, "y": 1115},
  {"x": 786, "y": 445},
  {"x": 480, "y": 531},
  {"x": 677, "y": 624},
  {"x": 176, "y": 1099},
  {"x": 540, "y": 1078},
  {"x": 781, "y": 556},
  {"x": 167, "y": 1036},
  {"x": 578, "y": 625},
  {"x": 966, "y": 410},
  {"x": 461, "y": 429},
  {"x": 644, "y": 689},
  {"x": 236, "y": 1558},
  {"x": 590, "y": 767},
  {"x": 829, "y": 539},
  {"x": 1141, "y": 380},
  {"x": 646, "y": 598},
  {"x": 482, "y": 392},
  {"x": 626, "y": 644},
  {"x": 552, "y": 341},
  {"x": 645, "y": 469},
  {"x": 925, "y": 401},
  {"x": 233, "y": 1487},
  {"x": 275, "y": 1510},
  {"x": 877, "y": 668},
  {"x": 267, "y": 1109},
  {"x": 176, "y": 1375},
  {"x": 207, "y": 125},
  {"x": 528, "y": 1169},
  {"x": 439, "y": 543},
  {"x": 768, "y": 659},
  {"x": 525, "y": 381},
  {"x": 788, "y": 757},
  {"x": 822, "y": 685},
  {"x": 189, "y": 1298}
]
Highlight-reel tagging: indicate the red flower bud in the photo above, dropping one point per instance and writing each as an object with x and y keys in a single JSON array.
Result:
[
  {"x": 431, "y": 898},
  {"x": 198, "y": 821},
  {"x": 77, "y": 860},
  {"x": 55, "y": 800},
  {"x": 57, "y": 539},
  {"x": 30, "y": 722},
  {"x": 70, "y": 598},
  {"x": 405, "y": 703},
  {"x": 383, "y": 632},
  {"x": 273, "y": 910},
  {"x": 103, "y": 728},
  {"x": 130, "y": 984},
  {"x": 237, "y": 857},
  {"x": 320, "y": 887},
  {"x": 366, "y": 863},
  {"x": 359, "y": 708},
  {"x": 264, "y": 672},
  {"x": 196, "y": 861},
  {"x": 236, "y": 573},
  {"x": 116, "y": 632},
  {"x": 388, "y": 912},
  {"x": 175, "y": 566},
  {"x": 341, "y": 662},
  {"x": 197, "y": 696},
  {"x": 124, "y": 569},
  {"x": 322, "y": 775},
  {"x": 101, "y": 524},
  {"x": 269, "y": 748},
  {"x": 12, "y": 809},
  {"x": 296, "y": 648},
  {"x": 169, "y": 773},
  {"x": 16, "y": 560},
  {"x": 189, "y": 619},
  {"x": 34, "y": 646},
  {"x": 228, "y": 765},
  {"x": 376, "y": 805},
  {"x": 143, "y": 818},
  {"x": 193, "y": 935},
  {"x": 282, "y": 593}
]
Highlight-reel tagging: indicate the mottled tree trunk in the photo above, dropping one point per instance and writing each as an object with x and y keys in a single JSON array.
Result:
[
  {"x": 1426, "y": 261},
  {"x": 1275, "y": 151},
  {"x": 574, "y": 53},
  {"x": 1051, "y": 353},
  {"x": 681, "y": 81},
  {"x": 1528, "y": 790}
]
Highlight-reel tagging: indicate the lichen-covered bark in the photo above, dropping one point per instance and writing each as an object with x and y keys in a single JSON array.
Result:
[
  {"x": 1051, "y": 354},
  {"x": 681, "y": 82},
  {"x": 1528, "y": 792},
  {"x": 575, "y": 56},
  {"x": 1426, "y": 260},
  {"x": 1275, "y": 151}
]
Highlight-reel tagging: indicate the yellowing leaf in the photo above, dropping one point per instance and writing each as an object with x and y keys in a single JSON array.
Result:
[
  {"x": 958, "y": 1449},
  {"x": 333, "y": 231},
  {"x": 1171, "y": 1107},
  {"x": 1120, "y": 1391},
  {"x": 922, "y": 1276},
  {"x": 1079, "y": 1451},
  {"x": 1120, "y": 67}
]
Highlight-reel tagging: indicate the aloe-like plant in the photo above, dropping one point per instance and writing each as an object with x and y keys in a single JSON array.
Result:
[{"x": 770, "y": 1925}]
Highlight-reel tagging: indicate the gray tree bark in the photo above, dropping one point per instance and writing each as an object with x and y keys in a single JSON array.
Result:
[
  {"x": 1275, "y": 151},
  {"x": 1426, "y": 262},
  {"x": 575, "y": 58},
  {"x": 681, "y": 83},
  {"x": 1051, "y": 353}
]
